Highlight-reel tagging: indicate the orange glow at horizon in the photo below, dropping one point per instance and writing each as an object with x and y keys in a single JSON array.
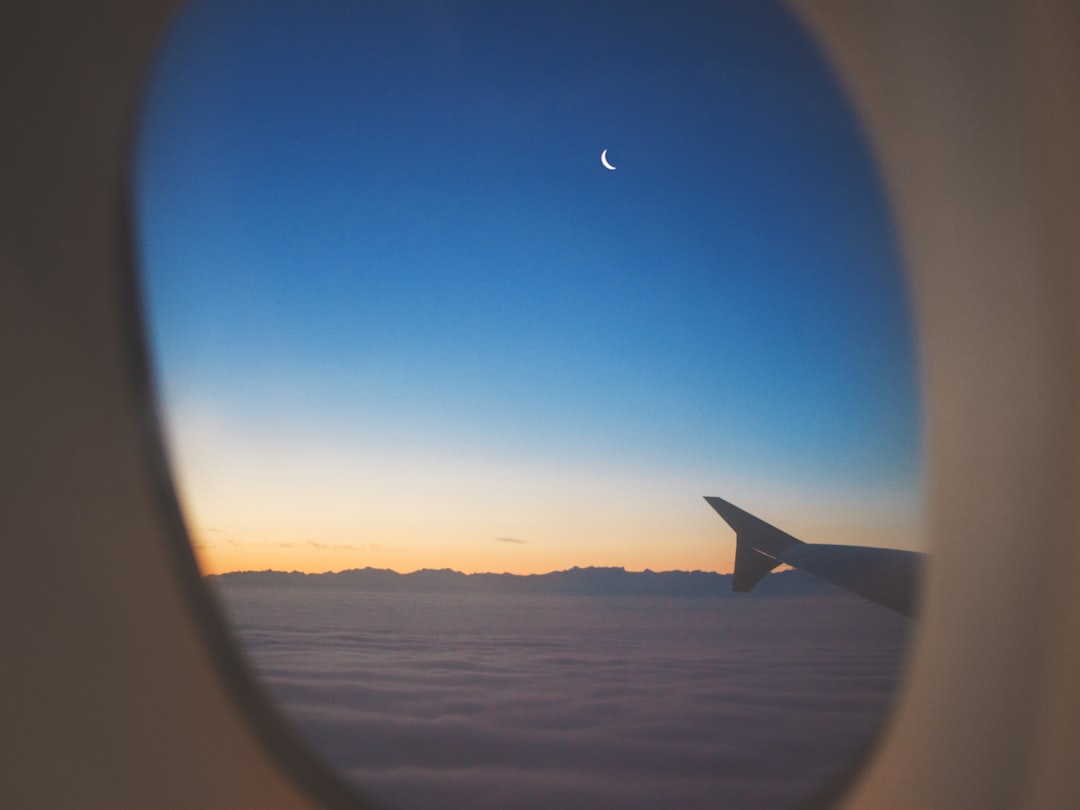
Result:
[
  {"x": 254, "y": 500},
  {"x": 705, "y": 543},
  {"x": 219, "y": 551},
  {"x": 221, "y": 559}
]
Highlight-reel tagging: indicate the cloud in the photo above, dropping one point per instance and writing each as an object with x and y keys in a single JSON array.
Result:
[
  {"x": 515, "y": 703},
  {"x": 232, "y": 541},
  {"x": 343, "y": 546},
  {"x": 509, "y": 540}
]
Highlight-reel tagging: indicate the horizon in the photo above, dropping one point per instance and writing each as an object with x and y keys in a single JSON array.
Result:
[
  {"x": 401, "y": 314},
  {"x": 590, "y": 581},
  {"x": 485, "y": 573}
]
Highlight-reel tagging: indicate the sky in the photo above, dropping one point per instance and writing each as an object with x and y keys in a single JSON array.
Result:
[{"x": 401, "y": 315}]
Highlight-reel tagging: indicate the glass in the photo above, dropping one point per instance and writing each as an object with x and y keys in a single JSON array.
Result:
[{"x": 437, "y": 290}]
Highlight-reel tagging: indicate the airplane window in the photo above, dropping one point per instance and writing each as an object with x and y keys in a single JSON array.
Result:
[{"x": 458, "y": 312}]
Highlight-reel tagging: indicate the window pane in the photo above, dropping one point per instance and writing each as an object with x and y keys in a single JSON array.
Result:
[{"x": 469, "y": 304}]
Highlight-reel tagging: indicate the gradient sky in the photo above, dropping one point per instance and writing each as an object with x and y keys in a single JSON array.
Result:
[{"x": 402, "y": 316}]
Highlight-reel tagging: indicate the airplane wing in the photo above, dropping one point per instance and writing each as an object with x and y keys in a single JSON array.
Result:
[{"x": 887, "y": 576}]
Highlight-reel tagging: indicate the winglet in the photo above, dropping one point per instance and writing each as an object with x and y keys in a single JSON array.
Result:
[
  {"x": 758, "y": 546},
  {"x": 750, "y": 566},
  {"x": 888, "y": 576}
]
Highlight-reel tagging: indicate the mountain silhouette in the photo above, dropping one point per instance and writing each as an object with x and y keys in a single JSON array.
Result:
[{"x": 591, "y": 581}]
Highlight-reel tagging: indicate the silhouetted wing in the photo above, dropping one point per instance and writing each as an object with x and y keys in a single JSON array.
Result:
[{"x": 887, "y": 576}]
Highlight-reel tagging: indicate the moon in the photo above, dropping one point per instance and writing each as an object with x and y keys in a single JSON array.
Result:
[{"x": 603, "y": 159}]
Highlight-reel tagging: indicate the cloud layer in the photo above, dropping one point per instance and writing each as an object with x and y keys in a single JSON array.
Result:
[{"x": 517, "y": 702}]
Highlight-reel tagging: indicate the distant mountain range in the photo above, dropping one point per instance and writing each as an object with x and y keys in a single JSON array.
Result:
[{"x": 572, "y": 582}]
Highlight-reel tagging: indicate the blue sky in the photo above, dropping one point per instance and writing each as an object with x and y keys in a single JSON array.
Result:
[{"x": 381, "y": 255}]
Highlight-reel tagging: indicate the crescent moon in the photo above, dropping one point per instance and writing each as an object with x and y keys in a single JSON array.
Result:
[{"x": 603, "y": 159}]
